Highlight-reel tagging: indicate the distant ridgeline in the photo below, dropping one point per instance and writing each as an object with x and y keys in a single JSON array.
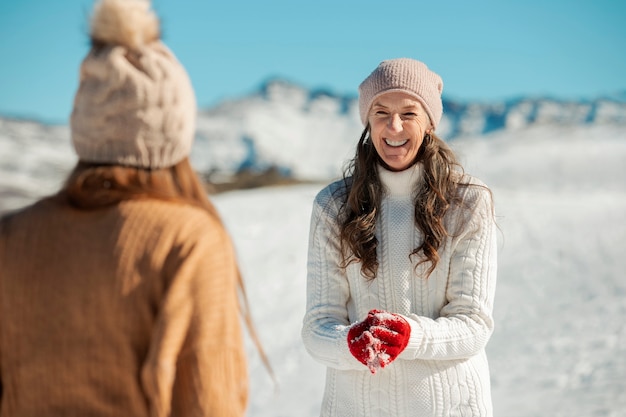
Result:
[
  {"x": 472, "y": 118},
  {"x": 291, "y": 132}
]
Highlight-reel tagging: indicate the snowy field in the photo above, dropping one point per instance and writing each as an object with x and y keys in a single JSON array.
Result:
[{"x": 559, "y": 348}]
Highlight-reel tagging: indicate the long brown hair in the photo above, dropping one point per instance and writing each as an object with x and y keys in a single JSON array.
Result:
[
  {"x": 93, "y": 186},
  {"x": 438, "y": 191}
]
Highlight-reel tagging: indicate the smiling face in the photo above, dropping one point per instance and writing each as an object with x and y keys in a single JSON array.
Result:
[{"x": 398, "y": 123}]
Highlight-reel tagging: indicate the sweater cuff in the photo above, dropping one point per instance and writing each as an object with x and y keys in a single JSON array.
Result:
[
  {"x": 346, "y": 359},
  {"x": 415, "y": 340}
]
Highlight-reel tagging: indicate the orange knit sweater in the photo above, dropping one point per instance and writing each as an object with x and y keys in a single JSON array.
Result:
[{"x": 130, "y": 310}]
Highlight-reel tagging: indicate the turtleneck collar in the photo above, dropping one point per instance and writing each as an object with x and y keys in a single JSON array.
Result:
[{"x": 401, "y": 183}]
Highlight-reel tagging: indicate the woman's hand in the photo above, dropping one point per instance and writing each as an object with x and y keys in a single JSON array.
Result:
[{"x": 379, "y": 339}]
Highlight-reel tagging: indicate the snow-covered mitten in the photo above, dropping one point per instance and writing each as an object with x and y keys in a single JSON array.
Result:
[
  {"x": 379, "y": 339},
  {"x": 361, "y": 341},
  {"x": 393, "y": 331}
]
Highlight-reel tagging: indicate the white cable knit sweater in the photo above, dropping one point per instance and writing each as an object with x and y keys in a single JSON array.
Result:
[{"x": 443, "y": 371}]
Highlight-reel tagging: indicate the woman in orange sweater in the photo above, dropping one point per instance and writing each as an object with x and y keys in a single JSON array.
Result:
[{"x": 118, "y": 295}]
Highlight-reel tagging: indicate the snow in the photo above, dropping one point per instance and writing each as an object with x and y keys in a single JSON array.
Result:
[{"x": 559, "y": 348}]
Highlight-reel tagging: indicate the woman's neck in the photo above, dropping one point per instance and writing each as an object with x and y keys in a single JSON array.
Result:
[{"x": 401, "y": 183}]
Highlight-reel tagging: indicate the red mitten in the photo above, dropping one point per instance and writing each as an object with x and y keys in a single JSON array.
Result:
[
  {"x": 393, "y": 331},
  {"x": 379, "y": 339},
  {"x": 361, "y": 342}
]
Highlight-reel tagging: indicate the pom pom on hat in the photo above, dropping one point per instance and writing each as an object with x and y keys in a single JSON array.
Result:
[
  {"x": 403, "y": 75},
  {"x": 135, "y": 105},
  {"x": 129, "y": 23}
]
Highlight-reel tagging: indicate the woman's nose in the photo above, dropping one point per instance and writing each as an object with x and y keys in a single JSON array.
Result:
[{"x": 395, "y": 123}]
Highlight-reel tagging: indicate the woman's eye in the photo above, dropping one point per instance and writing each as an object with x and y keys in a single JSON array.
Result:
[{"x": 410, "y": 114}]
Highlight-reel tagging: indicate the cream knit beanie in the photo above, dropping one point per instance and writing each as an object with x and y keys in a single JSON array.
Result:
[
  {"x": 404, "y": 75},
  {"x": 135, "y": 104}
]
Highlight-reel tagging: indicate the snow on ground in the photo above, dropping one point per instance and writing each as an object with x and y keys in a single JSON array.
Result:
[{"x": 559, "y": 348}]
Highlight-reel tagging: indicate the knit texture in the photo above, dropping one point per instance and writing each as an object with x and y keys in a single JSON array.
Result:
[
  {"x": 403, "y": 75},
  {"x": 443, "y": 371},
  {"x": 135, "y": 104},
  {"x": 130, "y": 310}
]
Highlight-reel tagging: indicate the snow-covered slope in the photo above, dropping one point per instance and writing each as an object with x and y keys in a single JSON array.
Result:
[{"x": 559, "y": 348}]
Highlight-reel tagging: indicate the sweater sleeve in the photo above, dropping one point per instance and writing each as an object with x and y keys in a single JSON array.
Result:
[
  {"x": 465, "y": 323},
  {"x": 326, "y": 323},
  {"x": 196, "y": 363}
]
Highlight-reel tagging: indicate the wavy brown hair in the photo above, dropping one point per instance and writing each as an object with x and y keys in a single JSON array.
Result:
[
  {"x": 92, "y": 186},
  {"x": 364, "y": 191}
]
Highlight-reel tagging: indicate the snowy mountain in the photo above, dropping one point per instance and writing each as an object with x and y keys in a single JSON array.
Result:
[{"x": 557, "y": 170}]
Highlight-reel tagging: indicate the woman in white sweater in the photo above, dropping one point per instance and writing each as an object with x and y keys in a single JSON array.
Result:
[{"x": 402, "y": 264}]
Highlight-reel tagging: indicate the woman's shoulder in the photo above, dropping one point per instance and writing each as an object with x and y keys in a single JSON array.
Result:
[
  {"x": 475, "y": 194},
  {"x": 183, "y": 218},
  {"x": 334, "y": 194},
  {"x": 471, "y": 186},
  {"x": 46, "y": 206},
  {"x": 472, "y": 180},
  {"x": 175, "y": 224}
]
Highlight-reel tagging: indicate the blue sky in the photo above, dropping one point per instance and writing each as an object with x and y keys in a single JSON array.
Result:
[{"x": 484, "y": 50}]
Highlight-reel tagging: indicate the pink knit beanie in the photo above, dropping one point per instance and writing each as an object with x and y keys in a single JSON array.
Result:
[
  {"x": 135, "y": 105},
  {"x": 403, "y": 75}
]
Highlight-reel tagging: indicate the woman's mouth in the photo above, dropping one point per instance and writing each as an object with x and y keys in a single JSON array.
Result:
[{"x": 396, "y": 143}]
